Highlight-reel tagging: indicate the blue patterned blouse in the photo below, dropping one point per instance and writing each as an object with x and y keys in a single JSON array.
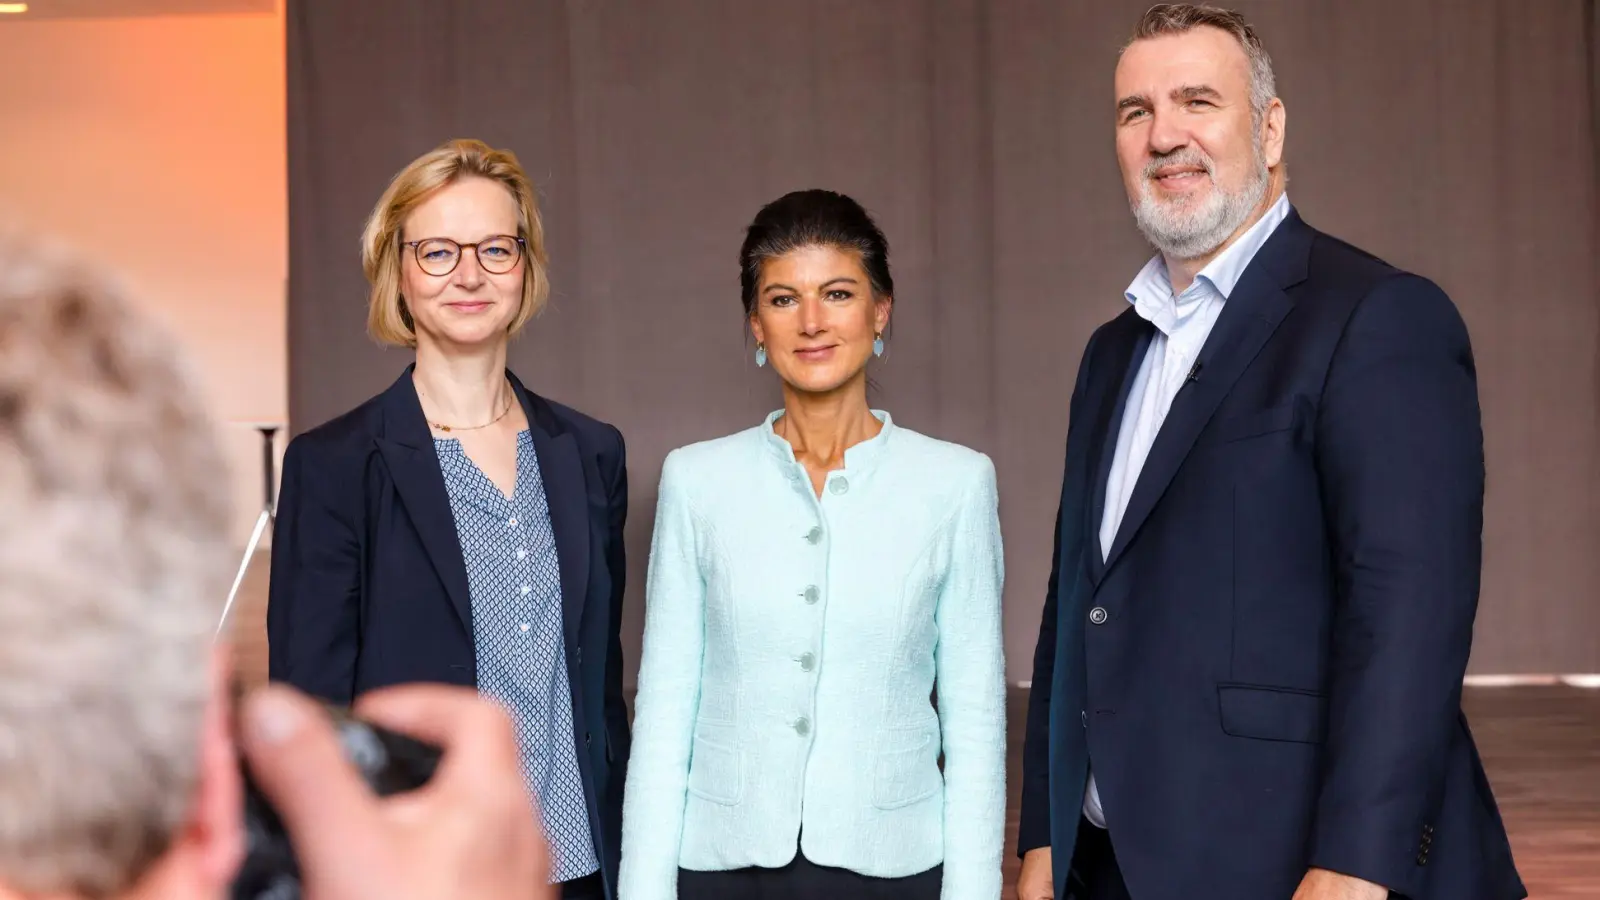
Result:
[{"x": 514, "y": 579}]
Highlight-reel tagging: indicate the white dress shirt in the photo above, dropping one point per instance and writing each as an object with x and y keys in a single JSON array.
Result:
[{"x": 1182, "y": 325}]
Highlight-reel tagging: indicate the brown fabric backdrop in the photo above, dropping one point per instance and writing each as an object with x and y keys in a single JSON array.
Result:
[{"x": 1453, "y": 137}]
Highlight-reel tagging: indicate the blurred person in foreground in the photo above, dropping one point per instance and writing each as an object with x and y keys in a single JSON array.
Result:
[{"x": 118, "y": 770}]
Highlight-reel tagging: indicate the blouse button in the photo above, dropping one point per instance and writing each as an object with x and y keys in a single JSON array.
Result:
[
  {"x": 808, "y": 661},
  {"x": 812, "y": 594},
  {"x": 815, "y": 534},
  {"x": 802, "y": 726},
  {"x": 840, "y": 485}
]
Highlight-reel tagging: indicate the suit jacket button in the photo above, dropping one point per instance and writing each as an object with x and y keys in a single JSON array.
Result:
[
  {"x": 586, "y": 738},
  {"x": 1098, "y": 615}
]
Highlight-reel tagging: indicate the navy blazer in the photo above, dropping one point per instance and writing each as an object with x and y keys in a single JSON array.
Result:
[
  {"x": 369, "y": 585},
  {"x": 1266, "y": 668}
]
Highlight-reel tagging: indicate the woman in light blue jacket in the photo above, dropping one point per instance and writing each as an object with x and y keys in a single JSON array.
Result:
[{"x": 812, "y": 581}]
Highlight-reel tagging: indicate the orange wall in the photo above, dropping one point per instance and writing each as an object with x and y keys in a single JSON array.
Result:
[{"x": 158, "y": 144}]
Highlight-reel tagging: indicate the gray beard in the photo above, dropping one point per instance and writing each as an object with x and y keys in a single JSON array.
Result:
[{"x": 1183, "y": 231}]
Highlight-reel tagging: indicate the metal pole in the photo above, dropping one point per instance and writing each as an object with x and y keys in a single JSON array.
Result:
[
  {"x": 266, "y": 518},
  {"x": 268, "y": 465}
]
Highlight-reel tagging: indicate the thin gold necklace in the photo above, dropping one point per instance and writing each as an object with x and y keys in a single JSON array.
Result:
[{"x": 446, "y": 428}]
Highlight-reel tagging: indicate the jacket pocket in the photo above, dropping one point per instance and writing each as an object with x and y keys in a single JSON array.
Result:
[
  {"x": 1255, "y": 424},
  {"x": 716, "y": 771},
  {"x": 906, "y": 766},
  {"x": 1272, "y": 713}
]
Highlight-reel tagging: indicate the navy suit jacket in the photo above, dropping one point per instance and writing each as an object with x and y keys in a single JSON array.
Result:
[
  {"x": 369, "y": 586},
  {"x": 1266, "y": 668}
]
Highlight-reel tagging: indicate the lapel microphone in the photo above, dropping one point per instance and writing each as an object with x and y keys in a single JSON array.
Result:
[{"x": 1194, "y": 373}]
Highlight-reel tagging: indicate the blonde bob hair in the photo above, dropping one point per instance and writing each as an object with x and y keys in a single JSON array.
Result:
[{"x": 388, "y": 319}]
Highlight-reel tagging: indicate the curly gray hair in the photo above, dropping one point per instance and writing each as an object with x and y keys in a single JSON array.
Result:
[{"x": 114, "y": 565}]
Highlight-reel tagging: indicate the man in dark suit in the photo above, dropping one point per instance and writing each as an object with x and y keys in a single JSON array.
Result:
[{"x": 1248, "y": 677}]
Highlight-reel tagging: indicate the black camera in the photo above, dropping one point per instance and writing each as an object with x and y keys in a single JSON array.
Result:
[{"x": 390, "y": 763}]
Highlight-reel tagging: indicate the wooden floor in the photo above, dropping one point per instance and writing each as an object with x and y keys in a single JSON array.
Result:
[{"x": 1541, "y": 746}]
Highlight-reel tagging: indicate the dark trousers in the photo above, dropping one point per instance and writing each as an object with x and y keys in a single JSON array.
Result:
[
  {"x": 589, "y": 887},
  {"x": 1094, "y": 874},
  {"x": 805, "y": 880}
]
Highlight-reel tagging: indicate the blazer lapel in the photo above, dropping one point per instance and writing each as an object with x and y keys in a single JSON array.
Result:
[
  {"x": 1249, "y": 317},
  {"x": 407, "y": 449},
  {"x": 1125, "y": 355},
  {"x": 562, "y": 471}
]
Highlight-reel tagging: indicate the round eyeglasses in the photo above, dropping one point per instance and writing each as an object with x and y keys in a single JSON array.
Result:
[{"x": 440, "y": 256}]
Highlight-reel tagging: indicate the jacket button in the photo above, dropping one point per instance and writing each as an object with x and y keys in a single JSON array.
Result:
[
  {"x": 586, "y": 738},
  {"x": 815, "y": 534},
  {"x": 812, "y": 594},
  {"x": 807, "y": 661},
  {"x": 802, "y": 726},
  {"x": 1098, "y": 615}
]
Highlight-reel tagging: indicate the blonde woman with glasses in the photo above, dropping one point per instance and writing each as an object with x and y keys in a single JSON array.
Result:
[{"x": 459, "y": 528}]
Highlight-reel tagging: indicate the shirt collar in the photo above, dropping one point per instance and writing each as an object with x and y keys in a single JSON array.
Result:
[{"x": 1150, "y": 292}]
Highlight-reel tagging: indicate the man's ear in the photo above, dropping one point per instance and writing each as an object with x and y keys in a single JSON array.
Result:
[{"x": 1274, "y": 132}]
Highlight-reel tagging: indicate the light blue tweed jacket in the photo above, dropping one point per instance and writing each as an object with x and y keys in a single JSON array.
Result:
[{"x": 791, "y": 646}]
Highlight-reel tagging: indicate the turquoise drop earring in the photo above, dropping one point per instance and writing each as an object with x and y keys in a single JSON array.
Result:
[
  {"x": 877, "y": 344},
  {"x": 761, "y": 355}
]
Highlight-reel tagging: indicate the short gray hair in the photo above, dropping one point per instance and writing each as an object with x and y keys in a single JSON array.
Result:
[
  {"x": 114, "y": 566},
  {"x": 1179, "y": 18}
]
